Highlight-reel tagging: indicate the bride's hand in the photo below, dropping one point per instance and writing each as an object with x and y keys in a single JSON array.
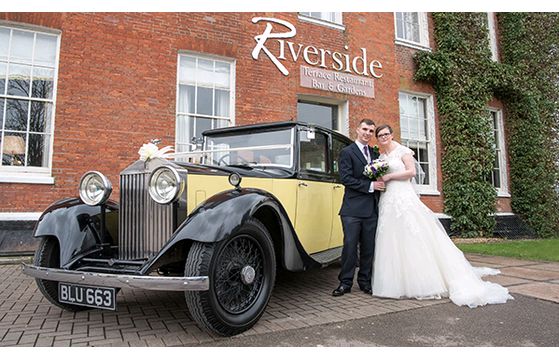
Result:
[{"x": 385, "y": 178}]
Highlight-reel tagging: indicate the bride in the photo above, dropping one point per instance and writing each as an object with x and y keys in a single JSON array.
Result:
[{"x": 414, "y": 257}]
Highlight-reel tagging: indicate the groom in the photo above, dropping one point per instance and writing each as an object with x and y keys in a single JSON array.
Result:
[{"x": 359, "y": 211}]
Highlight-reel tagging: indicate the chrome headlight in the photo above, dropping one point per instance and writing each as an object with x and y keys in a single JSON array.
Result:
[
  {"x": 165, "y": 185},
  {"x": 95, "y": 188}
]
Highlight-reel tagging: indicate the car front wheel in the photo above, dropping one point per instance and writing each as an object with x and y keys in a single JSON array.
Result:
[
  {"x": 48, "y": 255},
  {"x": 241, "y": 270}
]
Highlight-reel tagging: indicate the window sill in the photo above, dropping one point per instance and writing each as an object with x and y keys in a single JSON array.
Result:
[
  {"x": 503, "y": 194},
  {"x": 20, "y": 216},
  {"x": 26, "y": 179},
  {"x": 413, "y": 45},
  {"x": 429, "y": 192},
  {"x": 322, "y": 22}
]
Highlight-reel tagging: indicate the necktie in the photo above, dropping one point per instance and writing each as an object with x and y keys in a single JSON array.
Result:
[{"x": 366, "y": 153}]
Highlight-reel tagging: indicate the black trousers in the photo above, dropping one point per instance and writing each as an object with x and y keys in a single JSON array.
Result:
[{"x": 358, "y": 232}]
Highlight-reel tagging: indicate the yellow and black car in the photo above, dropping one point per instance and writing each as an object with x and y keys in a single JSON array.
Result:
[{"x": 215, "y": 223}]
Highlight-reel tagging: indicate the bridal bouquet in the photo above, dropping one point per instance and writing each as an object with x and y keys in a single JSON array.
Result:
[{"x": 375, "y": 169}]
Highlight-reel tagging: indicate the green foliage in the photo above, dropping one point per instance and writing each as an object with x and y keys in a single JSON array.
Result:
[
  {"x": 458, "y": 71},
  {"x": 530, "y": 45},
  {"x": 465, "y": 80}
]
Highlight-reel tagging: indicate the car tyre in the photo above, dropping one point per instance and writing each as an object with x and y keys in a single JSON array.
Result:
[
  {"x": 48, "y": 255},
  {"x": 241, "y": 271}
]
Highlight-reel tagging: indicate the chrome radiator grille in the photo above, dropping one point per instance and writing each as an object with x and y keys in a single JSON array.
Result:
[{"x": 144, "y": 225}]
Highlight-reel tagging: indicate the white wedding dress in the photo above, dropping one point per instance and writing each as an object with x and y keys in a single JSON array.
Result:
[{"x": 415, "y": 258}]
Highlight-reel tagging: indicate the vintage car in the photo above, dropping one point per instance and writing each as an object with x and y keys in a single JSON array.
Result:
[{"x": 216, "y": 223}]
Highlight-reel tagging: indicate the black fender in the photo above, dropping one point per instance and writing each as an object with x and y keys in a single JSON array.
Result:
[
  {"x": 77, "y": 227},
  {"x": 221, "y": 215}
]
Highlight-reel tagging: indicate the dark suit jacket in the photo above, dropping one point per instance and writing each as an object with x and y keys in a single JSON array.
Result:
[{"x": 358, "y": 201}]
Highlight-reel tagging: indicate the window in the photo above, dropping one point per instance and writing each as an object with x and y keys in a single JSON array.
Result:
[
  {"x": 271, "y": 148},
  {"x": 313, "y": 151},
  {"x": 324, "y": 115},
  {"x": 332, "y": 19},
  {"x": 337, "y": 146},
  {"x": 417, "y": 127},
  {"x": 205, "y": 98},
  {"x": 498, "y": 176},
  {"x": 28, "y": 68},
  {"x": 412, "y": 29},
  {"x": 323, "y": 111},
  {"x": 492, "y": 36}
]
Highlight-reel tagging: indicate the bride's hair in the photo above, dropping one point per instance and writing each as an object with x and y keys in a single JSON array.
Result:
[{"x": 381, "y": 127}]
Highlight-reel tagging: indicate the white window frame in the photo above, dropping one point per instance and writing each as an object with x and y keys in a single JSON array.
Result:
[
  {"x": 492, "y": 36},
  {"x": 431, "y": 188},
  {"x": 33, "y": 174},
  {"x": 232, "y": 81},
  {"x": 503, "y": 190},
  {"x": 336, "y": 24},
  {"x": 343, "y": 111},
  {"x": 423, "y": 43}
]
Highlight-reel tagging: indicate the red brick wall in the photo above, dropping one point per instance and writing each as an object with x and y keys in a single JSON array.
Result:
[{"x": 117, "y": 84}]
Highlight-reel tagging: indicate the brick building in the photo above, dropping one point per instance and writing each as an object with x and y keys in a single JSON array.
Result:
[{"x": 83, "y": 91}]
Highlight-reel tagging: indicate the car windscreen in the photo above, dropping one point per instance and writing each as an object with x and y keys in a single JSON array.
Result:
[{"x": 266, "y": 148}]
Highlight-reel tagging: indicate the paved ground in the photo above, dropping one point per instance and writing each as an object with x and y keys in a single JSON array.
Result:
[
  {"x": 525, "y": 321},
  {"x": 300, "y": 302}
]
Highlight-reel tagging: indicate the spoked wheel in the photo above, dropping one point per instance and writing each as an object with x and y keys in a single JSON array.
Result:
[
  {"x": 48, "y": 255},
  {"x": 241, "y": 270}
]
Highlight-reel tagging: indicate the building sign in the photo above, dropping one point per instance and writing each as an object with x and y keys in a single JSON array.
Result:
[
  {"x": 328, "y": 80},
  {"x": 325, "y": 59}
]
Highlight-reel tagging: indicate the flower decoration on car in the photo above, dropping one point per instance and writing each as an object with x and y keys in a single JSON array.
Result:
[{"x": 152, "y": 151}]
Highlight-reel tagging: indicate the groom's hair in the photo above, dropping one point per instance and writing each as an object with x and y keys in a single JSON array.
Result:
[{"x": 369, "y": 122}]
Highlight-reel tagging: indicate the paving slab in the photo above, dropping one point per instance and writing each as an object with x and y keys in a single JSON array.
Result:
[
  {"x": 485, "y": 264},
  {"x": 545, "y": 266},
  {"x": 500, "y": 260},
  {"x": 531, "y": 274},
  {"x": 506, "y": 280},
  {"x": 540, "y": 290}
]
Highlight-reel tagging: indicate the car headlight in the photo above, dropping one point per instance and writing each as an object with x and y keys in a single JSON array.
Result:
[
  {"x": 95, "y": 188},
  {"x": 165, "y": 185}
]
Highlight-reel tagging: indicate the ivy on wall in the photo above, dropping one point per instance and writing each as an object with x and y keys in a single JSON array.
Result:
[
  {"x": 465, "y": 80},
  {"x": 530, "y": 46},
  {"x": 458, "y": 71}
]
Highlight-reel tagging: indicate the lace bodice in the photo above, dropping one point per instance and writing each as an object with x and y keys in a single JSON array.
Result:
[{"x": 394, "y": 158}]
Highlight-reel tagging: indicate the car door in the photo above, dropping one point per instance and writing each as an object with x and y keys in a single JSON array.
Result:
[
  {"x": 313, "y": 222},
  {"x": 336, "y": 233}
]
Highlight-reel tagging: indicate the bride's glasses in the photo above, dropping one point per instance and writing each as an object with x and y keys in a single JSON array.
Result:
[{"x": 383, "y": 135}]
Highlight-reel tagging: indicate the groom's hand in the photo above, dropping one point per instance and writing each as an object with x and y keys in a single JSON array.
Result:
[{"x": 379, "y": 185}]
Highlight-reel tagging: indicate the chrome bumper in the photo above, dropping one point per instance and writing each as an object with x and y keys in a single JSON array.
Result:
[{"x": 164, "y": 283}]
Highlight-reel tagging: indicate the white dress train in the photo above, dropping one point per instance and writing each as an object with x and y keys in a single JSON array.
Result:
[{"x": 415, "y": 258}]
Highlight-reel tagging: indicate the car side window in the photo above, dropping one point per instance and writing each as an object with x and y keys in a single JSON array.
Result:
[
  {"x": 313, "y": 151},
  {"x": 337, "y": 146}
]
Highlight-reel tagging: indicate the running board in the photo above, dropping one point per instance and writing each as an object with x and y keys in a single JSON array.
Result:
[{"x": 327, "y": 257}]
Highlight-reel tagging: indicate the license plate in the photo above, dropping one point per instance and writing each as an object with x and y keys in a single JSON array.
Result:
[{"x": 90, "y": 296}]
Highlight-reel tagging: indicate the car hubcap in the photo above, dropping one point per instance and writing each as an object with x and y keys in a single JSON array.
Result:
[{"x": 247, "y": 275}]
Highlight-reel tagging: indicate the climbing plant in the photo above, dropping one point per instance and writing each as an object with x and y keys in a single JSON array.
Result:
[
  {"x": 465, "y": 80},
  {"x": 530, "y": 46},
  {"x": 458, "y": 71}
]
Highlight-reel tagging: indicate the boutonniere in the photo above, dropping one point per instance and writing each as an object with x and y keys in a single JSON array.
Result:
[
  {"x": 376, "y": 151},
  {"x": 151, "y": 151}
]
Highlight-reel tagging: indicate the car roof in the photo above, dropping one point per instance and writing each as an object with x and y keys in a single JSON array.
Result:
[{"x": 267, "y": 126}]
